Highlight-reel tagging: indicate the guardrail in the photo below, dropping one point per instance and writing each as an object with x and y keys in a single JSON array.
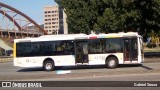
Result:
[
  {"x": 152, "y": 54},
  {"x": 6, "y": 59}
]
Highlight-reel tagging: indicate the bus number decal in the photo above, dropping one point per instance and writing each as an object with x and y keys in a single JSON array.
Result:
[{"x": 99, "y": 57}]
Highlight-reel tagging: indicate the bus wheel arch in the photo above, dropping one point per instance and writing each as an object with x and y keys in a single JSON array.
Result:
[
  {"x": 111, "y": 61},
  {"x": 48, "y": 64}
]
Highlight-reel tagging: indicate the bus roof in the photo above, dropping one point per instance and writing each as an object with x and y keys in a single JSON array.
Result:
[
  {"x": 62, "y": 35},
  {"x": 76, "y": 36}
]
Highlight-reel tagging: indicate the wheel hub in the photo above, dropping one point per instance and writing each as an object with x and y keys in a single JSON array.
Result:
[
  {"x": 48, "y": 66},
  {"x": 112, "y": 63}
]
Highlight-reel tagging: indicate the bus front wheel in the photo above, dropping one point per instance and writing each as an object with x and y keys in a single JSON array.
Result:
[
  {"x": 111, "y": 62},
  {"x": 48, "y": 66}
]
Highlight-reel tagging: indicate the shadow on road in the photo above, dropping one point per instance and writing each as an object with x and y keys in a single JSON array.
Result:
[
  {"x": 137, "y": 65},
  {"x": 30, "y": 70},
  {"x": 81, "y": 67},
  {"x": 147, "y": 68}
]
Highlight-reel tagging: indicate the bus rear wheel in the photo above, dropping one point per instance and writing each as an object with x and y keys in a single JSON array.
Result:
[
  {"x": 111, "y": 62},
  {"x": 48, "y": 65}
]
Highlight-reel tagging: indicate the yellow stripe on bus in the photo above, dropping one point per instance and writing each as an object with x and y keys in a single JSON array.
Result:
[
  {"x": 14, "y": 50},
  {"x": 112, "y": 36}
]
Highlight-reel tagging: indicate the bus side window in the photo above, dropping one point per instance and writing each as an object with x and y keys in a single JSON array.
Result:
[
  {"x": 96, "y": 46},
  {"x": 113, "y": 45},
  {"x": 63, "y": 48}
]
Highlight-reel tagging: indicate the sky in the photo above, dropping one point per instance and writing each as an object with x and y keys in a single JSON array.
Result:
[{"x": 32, "y": 8}]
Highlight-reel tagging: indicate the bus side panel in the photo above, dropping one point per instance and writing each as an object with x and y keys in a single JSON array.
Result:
[
  {"x": 28, "y": 61},
  {"x": 65, "y": 60},
  {"x": 15, "y": 62},
  {"x": 95, "y": 59}
]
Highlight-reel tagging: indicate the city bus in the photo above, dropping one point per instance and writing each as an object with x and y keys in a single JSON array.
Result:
[{"x": 49, "y": 51}]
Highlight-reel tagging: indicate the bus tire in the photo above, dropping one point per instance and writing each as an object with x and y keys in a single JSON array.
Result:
[
  {"x": 48, "y": 65},
  {"x": 111, "y": 62}
]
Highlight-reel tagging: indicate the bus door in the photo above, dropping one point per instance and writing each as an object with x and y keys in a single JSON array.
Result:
[
  {"x": 81, "y": 52},
  {"x": 130, "y": 50}
]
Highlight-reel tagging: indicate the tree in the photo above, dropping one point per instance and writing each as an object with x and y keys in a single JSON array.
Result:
[
  {"x": 149, "y": 15},
  {"x": 112, "y": 15}
]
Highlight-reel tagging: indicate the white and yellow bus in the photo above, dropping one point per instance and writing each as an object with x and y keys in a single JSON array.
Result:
[{"x": 49, "y": 51}]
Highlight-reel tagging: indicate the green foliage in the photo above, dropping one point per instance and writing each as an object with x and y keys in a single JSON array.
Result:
[
  {"x": 150, "y": 45},
  {"x": 112, "y": 15}
]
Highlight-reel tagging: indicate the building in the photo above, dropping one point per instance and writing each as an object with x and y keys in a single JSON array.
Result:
[
  {"x": 55, "y": 20},
  {"x": 33, "y": 29}
]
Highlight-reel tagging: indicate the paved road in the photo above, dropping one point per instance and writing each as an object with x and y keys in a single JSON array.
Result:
[
  {"x": 9, "y": 72},
  {"x": 147, "y": 72}
]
